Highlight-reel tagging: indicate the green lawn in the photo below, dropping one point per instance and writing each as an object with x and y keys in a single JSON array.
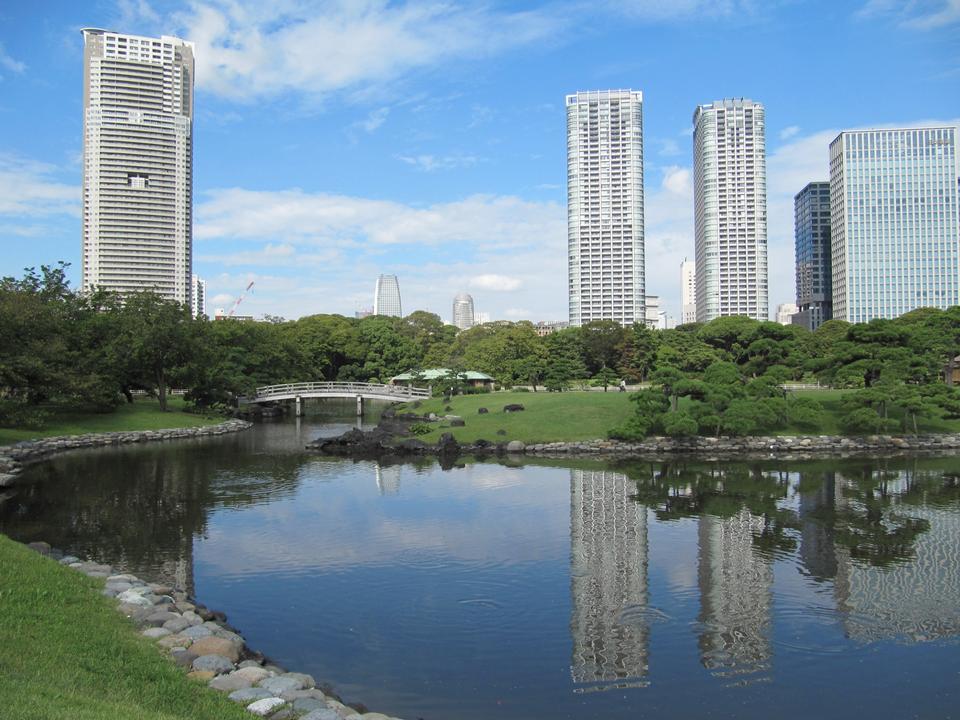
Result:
[
  {"x": 143, "y": 414},
  {"x": 548, "y": 417},
  {"x": 66, "y": 653},
  {"x": 571, "y": 416}
]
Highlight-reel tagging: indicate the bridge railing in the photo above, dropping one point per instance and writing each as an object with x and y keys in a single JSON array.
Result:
[{"x": 400, "y": 392}]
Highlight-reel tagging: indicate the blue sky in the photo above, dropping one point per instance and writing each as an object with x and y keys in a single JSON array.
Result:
[{"x": 338, "y": 140}]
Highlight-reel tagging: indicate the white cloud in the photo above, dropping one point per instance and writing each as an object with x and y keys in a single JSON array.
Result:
[
  {"x": 517, "y": 313},
  {"x": 668, "y": 231},
  {"x": 294, "y": 216},
  {"x": 341, "y": 243},
  {"x": 27, "y": 188},
  {"x": 497, "y": 283},
  {"x": 9, "y": 63},
  {"x": 789, "y": 132},
  {"x": 375, "y": 119},
  {"x": 432, "y": 163},
  {"x": 669, "y": 10},
  {"x": 248, "y": 49},
  {"x": 917, "y": 14}
]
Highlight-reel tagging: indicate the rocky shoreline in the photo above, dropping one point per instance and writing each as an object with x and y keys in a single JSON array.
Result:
[
  {"x": 14, "y": 457},
  {"x": 391, "y": 440},
  {"x": 202, "y": 642}
]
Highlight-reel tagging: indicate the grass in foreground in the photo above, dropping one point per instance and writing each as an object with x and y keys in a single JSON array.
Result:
[
  {"x": 143, "y": 414},
  {"x": 548, "y": 417},
  {"x": 66, "y": 653}
]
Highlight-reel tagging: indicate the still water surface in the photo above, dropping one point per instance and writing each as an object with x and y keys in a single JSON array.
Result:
[{"x": 564, "y": 589}]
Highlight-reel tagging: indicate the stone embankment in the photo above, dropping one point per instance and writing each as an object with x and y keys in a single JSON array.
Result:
[
  {"x": 14, "y": 457},
  {"x": 753, "y": 446},
  {"x": 382, "y": 441},
  {"x": 200, "y": 641}
]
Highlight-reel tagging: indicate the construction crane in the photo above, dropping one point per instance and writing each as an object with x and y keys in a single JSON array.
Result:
[{"x": 239, "y": 300}]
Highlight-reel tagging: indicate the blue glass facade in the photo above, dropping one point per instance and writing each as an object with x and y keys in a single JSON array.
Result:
[
  {"x": 811, "y": 212},
  {"x": 895, "y": 222}
]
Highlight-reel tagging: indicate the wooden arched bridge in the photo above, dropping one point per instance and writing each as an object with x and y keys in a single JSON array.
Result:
[{"x": 299, "y": 392}]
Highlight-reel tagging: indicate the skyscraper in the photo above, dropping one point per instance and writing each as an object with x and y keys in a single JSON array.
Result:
[
  {"x": 463, "y": 311},
  {"x": 730, "y": 209},
  {"x": 605, "y": 206},
  {"x": 137, "y": 163},
  {"x": 894, "y": 219},
  {"x": 688, "y": 292},
  {"x": 386, "y": 296},
  {"x": 198, "y": 296},
  {"x": 811, "y": 227}
]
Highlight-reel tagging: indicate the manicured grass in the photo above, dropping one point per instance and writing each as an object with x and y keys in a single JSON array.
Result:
[
  {"x": 66, "y": 653},
  {"x": 143, "y": 414},
  {"x": 571, "y": 416},
  {"x": 547, "y": 417}
]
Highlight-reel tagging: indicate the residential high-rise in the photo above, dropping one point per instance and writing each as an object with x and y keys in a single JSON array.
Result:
[
  {"x": 785, "y": 313},
  {"x": 811, "y": 227},
  {"x": 198, "y": 296},
  {"x": 137, "y": 163},
  {"x": 463, "y": 311},
  {"x": 730, "y": 209},
  {"x": 386, "y": 296},
  {"x": 605, "y": 206},
  {"x": 895, "y": 228},
  {"x": 688, "y": 292}
]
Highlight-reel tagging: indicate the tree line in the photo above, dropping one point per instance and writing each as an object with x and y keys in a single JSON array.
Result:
[{"x": 94, "y": 351}]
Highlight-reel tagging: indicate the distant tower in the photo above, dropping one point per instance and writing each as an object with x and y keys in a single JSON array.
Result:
[
  {"x": 605, "y": 206},
  {"x": 894, "y": 222},
  {"x": 688, "y": 292},
  {"x": 386, "y": 297},
  {"x": 198, "y": 296},
  {"x": 811, "y": 228},
  {"x": 463, "y": 311},
  {"x": 137, "y": 164},
  {"x": 730, "y": 209}
]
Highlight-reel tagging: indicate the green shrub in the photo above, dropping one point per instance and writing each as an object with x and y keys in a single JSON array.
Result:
[{"x": 420, "y": 429}]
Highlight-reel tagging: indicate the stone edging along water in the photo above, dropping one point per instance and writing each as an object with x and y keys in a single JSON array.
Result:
[
  {"x": 201, "y": 641},
  {"x": 13, "y": 457},
  {"x": 753, "y": 446}
]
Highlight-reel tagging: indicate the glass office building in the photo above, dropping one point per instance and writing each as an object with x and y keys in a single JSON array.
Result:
[
  {"x": 386, "y": 296},
  {"x": 894, "y": 221},
  {"x": 811, "y": 225}
]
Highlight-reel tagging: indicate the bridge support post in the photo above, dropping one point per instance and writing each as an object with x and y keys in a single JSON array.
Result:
[
  {"x": 299, "y": 406},
  {"x": 359, "y": 405}
]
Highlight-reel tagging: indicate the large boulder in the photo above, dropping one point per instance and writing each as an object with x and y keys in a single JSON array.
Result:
[{"x": 513, "y": 407}]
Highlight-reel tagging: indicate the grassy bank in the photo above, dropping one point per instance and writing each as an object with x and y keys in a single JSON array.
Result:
[
  {"x": 65, "y": 653},
  {"x": 143, "y": 414},
  {"x": 571, "y": 416},
  {"x": 547, "y": 416}
]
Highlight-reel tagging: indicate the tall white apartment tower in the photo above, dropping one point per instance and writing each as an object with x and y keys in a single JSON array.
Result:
[
  {"x": 137, "y": 163},
  {"x": 730, "y": 209},
  {"x": 605, "y": 206},
  {"x": 688, "y": 292},
  {"x": 895, "y": 222}
]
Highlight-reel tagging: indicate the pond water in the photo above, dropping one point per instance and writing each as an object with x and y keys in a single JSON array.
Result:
[{"x": 548, "y": 589}]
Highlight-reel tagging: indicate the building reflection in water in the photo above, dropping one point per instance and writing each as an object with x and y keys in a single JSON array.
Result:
[
  {"x": 916, "y": 598},
  {"x": 388, "y": 478},
  {"x": 608, "y": 582},
  {"x": 736, "y": 595}
]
